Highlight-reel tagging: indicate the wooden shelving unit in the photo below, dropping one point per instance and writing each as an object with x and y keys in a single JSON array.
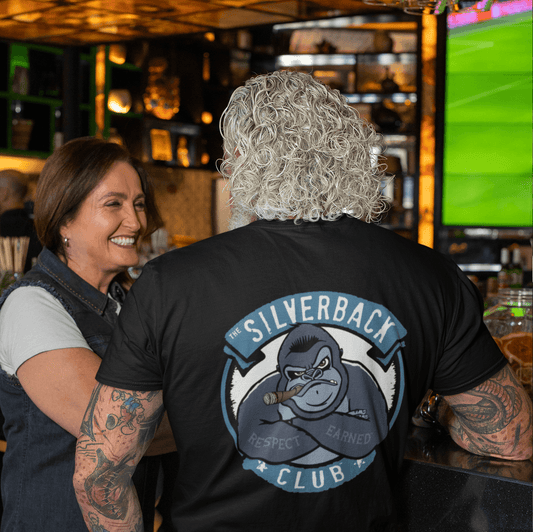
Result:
[{"x": 31, "y": 98}]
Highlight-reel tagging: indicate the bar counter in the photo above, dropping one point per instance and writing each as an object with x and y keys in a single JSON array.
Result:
[{"x": 444, "y": 488}]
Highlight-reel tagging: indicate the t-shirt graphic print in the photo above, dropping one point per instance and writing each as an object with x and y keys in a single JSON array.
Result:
[{"x": 312, "y": 384}]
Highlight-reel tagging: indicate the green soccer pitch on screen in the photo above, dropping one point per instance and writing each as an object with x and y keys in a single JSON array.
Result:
[{"x": 487, "y": 159}]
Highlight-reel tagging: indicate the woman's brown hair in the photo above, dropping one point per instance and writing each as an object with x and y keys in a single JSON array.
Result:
[{"x": 70, "y": 175}]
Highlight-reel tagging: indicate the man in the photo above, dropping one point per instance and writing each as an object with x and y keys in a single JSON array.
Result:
[
  {"x": 14, "y": 220},
  {"x": 291, "y": 352}
]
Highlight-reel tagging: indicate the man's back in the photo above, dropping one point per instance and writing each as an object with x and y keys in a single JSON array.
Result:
[{"x": 350, "y": 321}]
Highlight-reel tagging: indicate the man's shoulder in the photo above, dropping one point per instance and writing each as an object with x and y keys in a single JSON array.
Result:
[
  {"x": 206, "y": 245},
  {"x": 350, "y": 232},
  {"x": 198, "y": 254}
]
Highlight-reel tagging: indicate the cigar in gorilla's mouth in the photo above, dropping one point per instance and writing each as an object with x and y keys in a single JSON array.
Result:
[{"x": 273, "y": 398}]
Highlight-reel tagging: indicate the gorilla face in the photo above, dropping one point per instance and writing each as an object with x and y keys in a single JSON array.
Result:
[
  {"x": 321, "y": 382},
  {"x": 310, "y": 357}
]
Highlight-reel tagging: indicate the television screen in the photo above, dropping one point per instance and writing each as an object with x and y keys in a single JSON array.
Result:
[{"x": 487, "y": 159}]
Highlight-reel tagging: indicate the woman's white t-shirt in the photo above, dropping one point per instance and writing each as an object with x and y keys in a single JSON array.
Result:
[{"x": 33, "y": 321}]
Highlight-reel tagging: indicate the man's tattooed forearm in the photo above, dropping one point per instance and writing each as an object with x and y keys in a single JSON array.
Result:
[
  {"x": 488, "y": 410},
  {"x": 497, "y": 406},
  {"x": 106, "y": 486},
  {"x": 117, "y": 428},
  {"x": 132, "y": 415},
  {"x": 95, "y": 526}
]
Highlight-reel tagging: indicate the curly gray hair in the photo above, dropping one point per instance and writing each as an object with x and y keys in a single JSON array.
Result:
[{"x": 295, "y": 149}]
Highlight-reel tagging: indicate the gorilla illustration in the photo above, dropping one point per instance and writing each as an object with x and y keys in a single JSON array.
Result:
[{"x": 337, "y": 410}]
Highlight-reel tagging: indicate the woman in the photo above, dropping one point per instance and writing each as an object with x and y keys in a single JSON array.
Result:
[{"x": 94, "y": 204}]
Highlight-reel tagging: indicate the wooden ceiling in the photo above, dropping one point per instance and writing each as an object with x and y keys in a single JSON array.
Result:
[{"x": 88, "y": 22}]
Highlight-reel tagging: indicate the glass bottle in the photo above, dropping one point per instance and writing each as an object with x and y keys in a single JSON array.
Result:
[
  {"x": 503, "y": 274},
  {"x": 516, "y": 271},
  {"x": 510, "y": 323}
]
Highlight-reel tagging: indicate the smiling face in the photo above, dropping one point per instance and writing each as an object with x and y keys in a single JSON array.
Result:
[{"x": 103, "y": 238}]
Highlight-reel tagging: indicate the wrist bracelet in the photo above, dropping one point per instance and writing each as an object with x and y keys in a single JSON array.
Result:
[{"x": 429, "y": 411}]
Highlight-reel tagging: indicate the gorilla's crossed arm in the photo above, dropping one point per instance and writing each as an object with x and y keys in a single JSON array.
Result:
[{"x": 353, "y": 433}]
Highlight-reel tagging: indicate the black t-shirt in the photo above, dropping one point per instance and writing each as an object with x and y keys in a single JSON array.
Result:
[{"x": 352, "y": 319}]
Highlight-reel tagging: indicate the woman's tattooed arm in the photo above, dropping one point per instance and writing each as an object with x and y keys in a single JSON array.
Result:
[
  {"x": 492, "y": 419},
  {"x": 116, "y": 431}
]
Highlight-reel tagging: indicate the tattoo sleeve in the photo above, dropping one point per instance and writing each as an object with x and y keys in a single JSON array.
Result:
[
  {"x": 117, "y": 428},
  {"x": 492, "y": 419}
]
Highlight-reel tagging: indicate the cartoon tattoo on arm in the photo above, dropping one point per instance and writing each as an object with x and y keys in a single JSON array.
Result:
[{"x": 116, "y": 431}]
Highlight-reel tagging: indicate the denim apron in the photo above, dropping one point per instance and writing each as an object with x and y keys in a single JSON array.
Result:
[{"x": 38, "y": 466}]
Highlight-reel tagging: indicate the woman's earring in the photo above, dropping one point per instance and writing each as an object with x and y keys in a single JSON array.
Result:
[{"x": 65, "y": 241}]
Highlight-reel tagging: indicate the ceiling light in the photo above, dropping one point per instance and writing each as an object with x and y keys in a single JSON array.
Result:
[
  {"x": 119, "y": 101},
  {"x": 117, "y": 53},
  {"x": 27, "y": 17},
  {"x": 315, "y": 60}
]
